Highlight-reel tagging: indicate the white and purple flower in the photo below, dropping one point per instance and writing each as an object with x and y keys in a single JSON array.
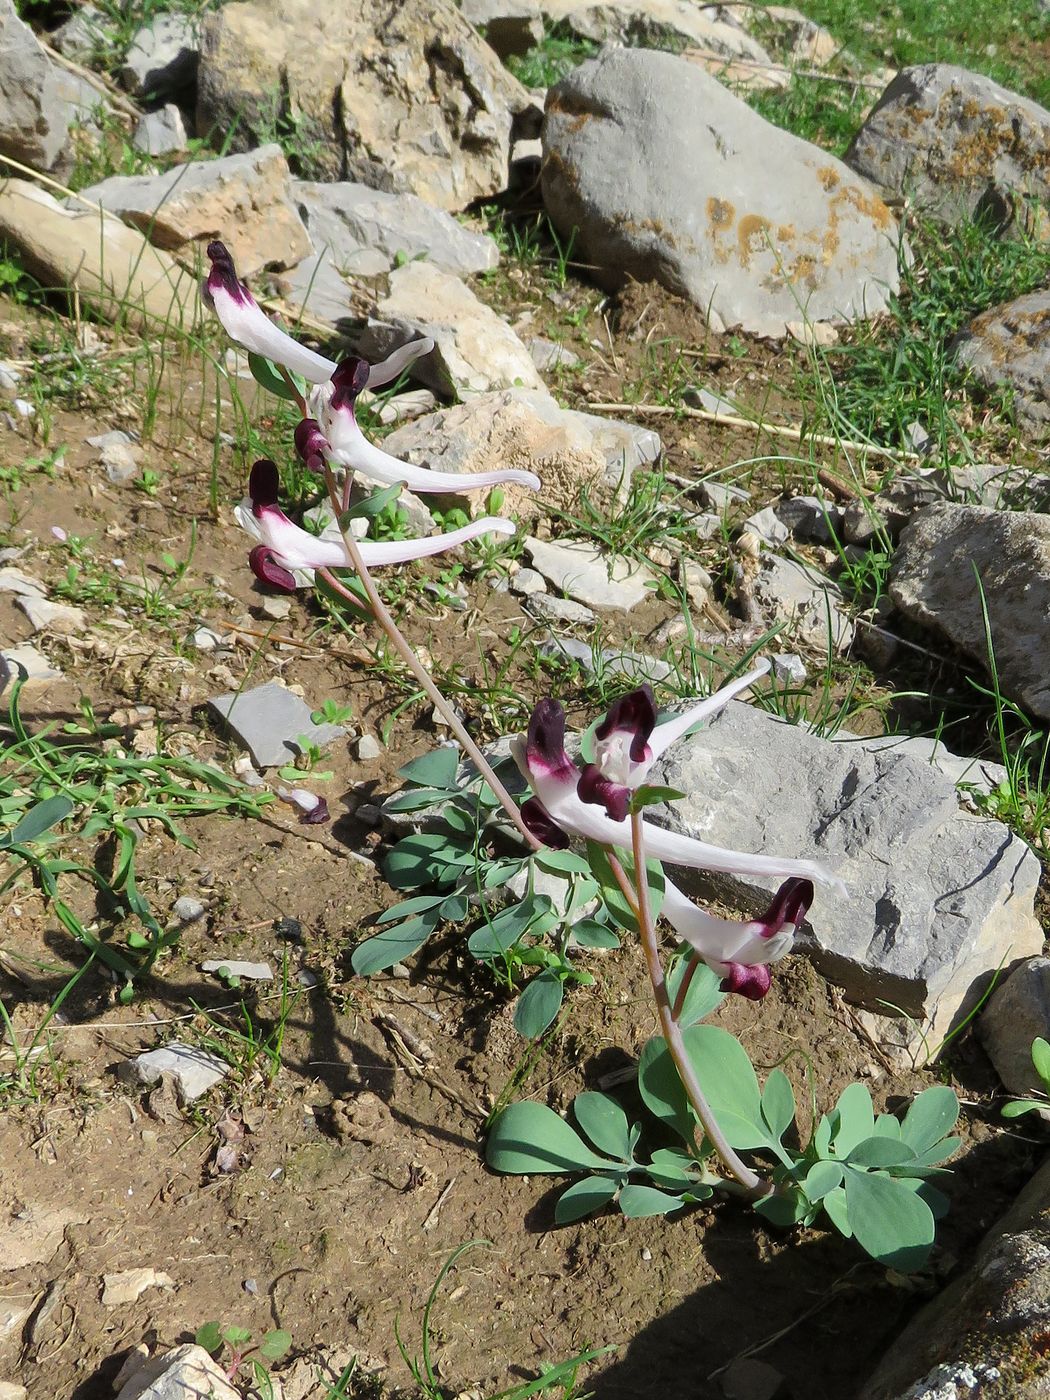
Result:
[
  {"x": 592, "y": 804},
  {"x": 285, "y": 550},
  {"x": 330, "y": 432}
]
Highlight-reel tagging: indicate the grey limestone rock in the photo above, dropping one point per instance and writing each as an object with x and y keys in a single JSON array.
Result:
[
  {"x": 811, "y": 604},
  {"x": 1009, "y": 347},
  {"x": 582, "y": 572},
  {"x": 356, "y": 224},
  {"x": 193, "y": 1070},
  {"x": 162, "y": 57},
  {"x": 160, "y": 133},
  {"x": 1018, "y": 1011},
  {"x": 667, "y": 175},
  {"x": 403, "y": 95},
  {"x": 269, "y": 720},
  {"x": 35, "y": 96},
  {"x": 945, "y": 137},
  {"x": 178, "y": 1375},
  {"x": 982, "y": 1337},
  {"x": 934, "y": 583},
  {"x": 936, "y": 894}
]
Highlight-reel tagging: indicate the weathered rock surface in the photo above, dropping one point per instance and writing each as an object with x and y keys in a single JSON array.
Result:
[
  {"x": 160, "y": 133},
  {"x": 936, "y": 894},
  {"x": 809, "y": 602},
  {"x": 162, "y": 57},
  {"x": 34, "y": 1235},
  {"x": 588, "y": 576},
  {"x": 112, "y": 266},
  {"x": 568, "y": 450},
  {"x": 1009, "y": 347},
  {"x": 933, "y": 583},
  {"x": 947, "y": 137},
  {"x": 669, "y": 177},
  {"x": 35, "y": 96},
  {"x": 475, "y": 350},
  {"x": 983, "y": 1336},
  {"x": 1018, "y": 1011},
  {"x": 369, "y": 231},
  {"x": 402, "y": 94},
  {"x": 510, "y": 26},
  {"x": 186, "y": 1372},
  {"x": 269, "y": 720},
  {"x": 245, "y": 200},
  {"x": 194, "y": 1071}
]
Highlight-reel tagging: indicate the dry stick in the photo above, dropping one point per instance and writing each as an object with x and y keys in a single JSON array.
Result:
[
  {"x": 672, "y": 1031},
  {"x": 382, "y": 615},
  {"x": 732, "y": 420}
]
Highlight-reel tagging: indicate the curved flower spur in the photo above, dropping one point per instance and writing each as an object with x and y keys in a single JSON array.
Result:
[
  {"x": 329, "y": 431},
  {"x": 593, "y": 804}
]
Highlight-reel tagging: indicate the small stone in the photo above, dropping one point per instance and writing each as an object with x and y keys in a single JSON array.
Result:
[
  {"x": 53, "y": 617},
  {"x": 34, "y": 1235},
  {"x": 270, "y": 721},
  {"x": 185, "y": 1372},
  {"x": 161, "y": 133},
  {"x": 810, "y": 518},
  {"x": 1018, "y": 1011},
  {"x": 115, "y": 437},
  {"x": 289, "y": 929},
  {"x": 205, "y": 639},
  {"x": 647, "y": 1255},
  {"x": 248, "y": 971},
  {"x": 121, "y": 462},
  {"x": 194, "y": 1071},
  {"x": 710, "y": 402},
  {"x": 13, "y": 1317},
  {"x": 9, "y": 377},
  {"x": 129, "y": 1285},
  {"x": 368, "y": 747},
  {"x": 789, "y": 668},
  {"x": 548, "y": 355},
  {"x": 584, "y": 574},
  {"x": 276, "y": 609},
  {"x": 550, "y": 609},
  {"x": 747, "y": 1378},
  {"x": 9, "y": 1390},
  {"x": 23, "y": 408},
  {"x": 21, "y": 584},
  {"x": 812, "y": 332},
  {"x": 721, "y": 497},
  {"x": 526, "y": 582},
  {"x": 769, "y": 528},
  {"x": 187, "y": 909}
]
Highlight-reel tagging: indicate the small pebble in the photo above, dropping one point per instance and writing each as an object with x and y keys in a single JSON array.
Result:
[
  {"x": 187, "y": 909},
  {"x": 789, "y": 668},
  {"x": 368, "y": 747},
  {"x": 647, "y": 1255},
  {"x": 289, "y": 929}
]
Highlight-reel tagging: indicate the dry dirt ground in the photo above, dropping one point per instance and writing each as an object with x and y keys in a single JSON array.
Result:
[{"x": 359, "y": 1167}]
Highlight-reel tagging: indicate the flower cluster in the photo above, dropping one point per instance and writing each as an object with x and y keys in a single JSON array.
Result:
[
  {"x": 592, "y": 804},
  {"x": 328, "y": 437}
]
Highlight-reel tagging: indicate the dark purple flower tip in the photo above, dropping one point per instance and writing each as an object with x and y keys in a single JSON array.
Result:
[
  {"x": 790, "y": 906},
  {"x": 746, "y": 981},
  {"x": 539, "y": 822},
  {"x": 545, "y": 745},
  {"x": 602, "y": 792},
  {"x": 350, "y": 377},
  {"x": 310, "y": 443},
  {"x": 223, "y": 275},
  {"x": 263, "y": 485},
  {"x": 317, "y": 814},
  {"x": 266, "y": 569},
  {"x": 636, "y": 713}
]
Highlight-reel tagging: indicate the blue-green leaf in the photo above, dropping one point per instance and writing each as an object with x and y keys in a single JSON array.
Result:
[
  {"x": 1041, "y": 1059},
  {"x": 424, "y": 859},
  {"x": 821, "y": 1178},
  {"x": 674, "y": 1170},
  {"x": 704, "y": 994},
  {"x": 637, "y": 1202},
  {"x": 561, "y": 862},
  {"x": 932, "y": 1115},
  {"x": 266, "y": 374},
  {"x": 880, "y": 1152},
  {"x": 889, "y": 1221},
  {"x": 530, "y": 1137},
  {"x": 834, "y": 1204},
  {"x": 404, "y": 907},
  {"x": 661, "y": 1089},
  {"x": 584, "y": 1198},
  {"x": 414, "y": 799},
  {"x": 778, "y": 1103},
  {"x": 604, "y": 1122},
  {"x": 588, "y": 933},
  {"x": 853, "y": 1119},
  {"x": 391, "y": 946},
  {"x": 538, "y": 1004},
  {"x": 436, "y": 769}
]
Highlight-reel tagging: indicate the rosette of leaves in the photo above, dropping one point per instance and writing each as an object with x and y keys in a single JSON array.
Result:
[
  {"x": 870, "y": 1176},
  {"x": 526, "y": 940}
]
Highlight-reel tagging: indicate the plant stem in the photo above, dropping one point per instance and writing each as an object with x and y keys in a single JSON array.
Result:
[
  {"x": 672, "y": 1031},
  {"x": 383, "y": 616}
]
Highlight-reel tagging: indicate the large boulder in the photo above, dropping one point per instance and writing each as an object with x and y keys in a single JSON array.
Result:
[
  {"x": 111, "y": 266},
  {"x": 668, "y": 176},
  {"x": 1009, "y": 347},
  {"x": 948, "y": 139},
  {"x": 37, "y": 99},
  {"x": 985, "y": 1335},
  {"x": 945, "y": 551},
  {"x": 244, "y": 199},
  {"x": 402, "y": 94},
  {"x": 937, "y": 896}
]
